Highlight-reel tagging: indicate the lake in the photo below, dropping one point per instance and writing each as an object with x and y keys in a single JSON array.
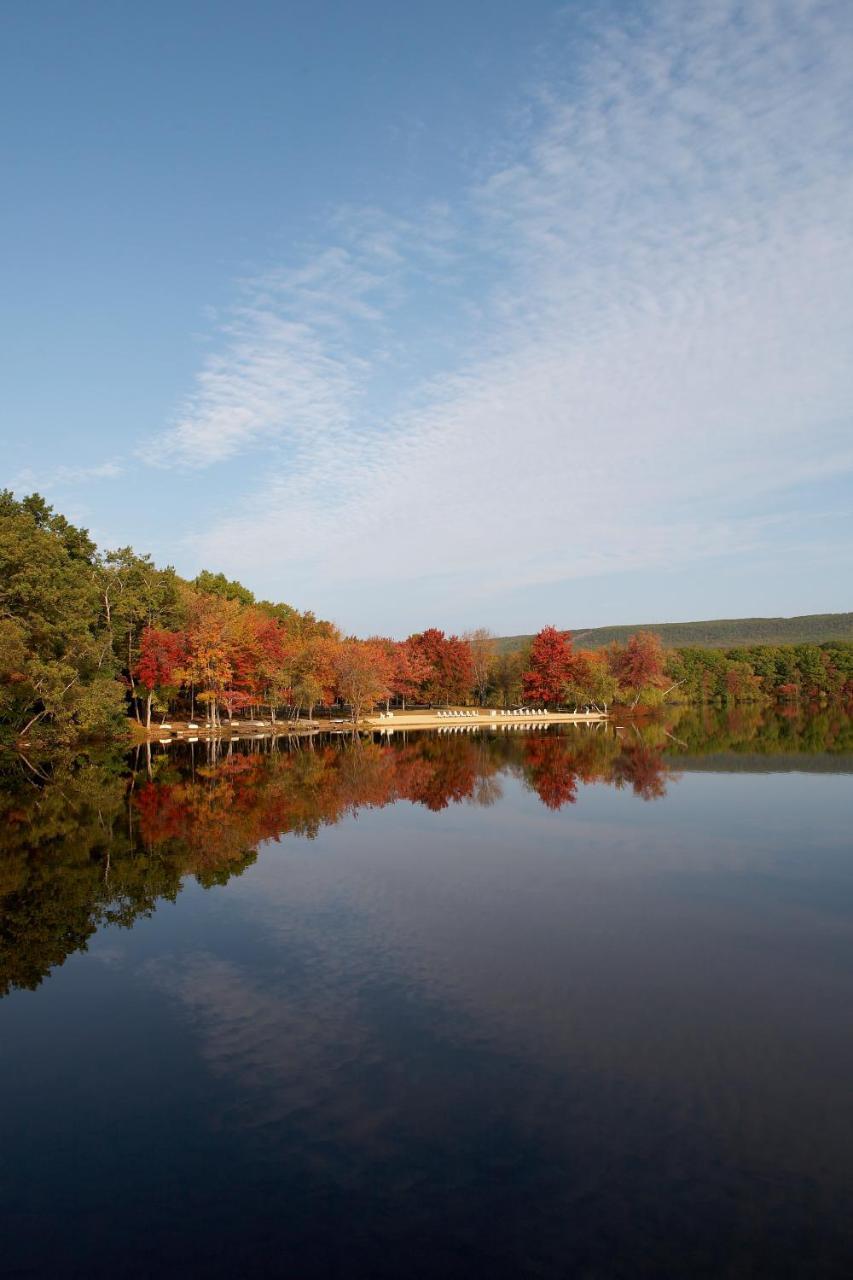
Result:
[{"x": 569, "y": 1002}]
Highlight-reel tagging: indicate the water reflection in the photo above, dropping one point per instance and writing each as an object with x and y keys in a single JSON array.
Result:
[
  {"x": 94, "y": 839},
  {"x": 561, "y": 1003}
]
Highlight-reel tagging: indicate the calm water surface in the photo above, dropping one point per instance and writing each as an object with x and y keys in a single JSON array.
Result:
[{"x": 567, "y": 1003}]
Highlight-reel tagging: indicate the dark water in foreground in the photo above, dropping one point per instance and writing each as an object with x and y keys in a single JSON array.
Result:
[{"x": 558, "y": 1004}]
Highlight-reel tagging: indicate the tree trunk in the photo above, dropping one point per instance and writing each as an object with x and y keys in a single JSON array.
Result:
[
  {"x": 31, "y": 722},
  {"x": 133, "y": 697}
]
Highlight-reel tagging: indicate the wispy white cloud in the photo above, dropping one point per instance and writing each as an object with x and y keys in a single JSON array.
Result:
[
  {"x": 65, "y": 477},
  {"x": 297, "y": 358},
  {"x": 626, "y": 337}
]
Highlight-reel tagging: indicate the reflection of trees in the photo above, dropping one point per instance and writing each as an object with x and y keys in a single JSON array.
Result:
[
  {"x": 86, "y": 842},
  {"x": 761, "y": 731},
  {"x": 75, "y": 853},
  {"x": 554, "y": 765},
  {"x": 550, "y": 770},
  {"x": 642, "y": 767}
]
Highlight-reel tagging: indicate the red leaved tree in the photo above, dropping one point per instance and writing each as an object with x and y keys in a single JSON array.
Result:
[
  {"x": 161, "y": 654},
  {"x": 411, "y": 670},
  {"x": 448, "y": 664},
  {"x": 551, "y": 666},
  {"x": 640, "y": 665}
]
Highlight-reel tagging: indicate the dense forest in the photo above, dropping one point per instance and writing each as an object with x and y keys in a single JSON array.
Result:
[
  {"x": 718, "y": 633},
  {"x": 90, "y": 638}
]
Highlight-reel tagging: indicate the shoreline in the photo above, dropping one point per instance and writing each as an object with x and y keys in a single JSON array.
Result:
[{"x": 384, "y": 722}]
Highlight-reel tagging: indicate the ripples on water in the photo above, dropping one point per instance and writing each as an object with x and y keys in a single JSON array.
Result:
[{"x": 565, "y": 1003}]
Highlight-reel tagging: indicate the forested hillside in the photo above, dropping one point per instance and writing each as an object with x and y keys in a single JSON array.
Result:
[{"x": 722, "y": 633}]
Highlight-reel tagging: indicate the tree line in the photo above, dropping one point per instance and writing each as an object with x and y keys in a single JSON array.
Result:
[{"x": 88, "y": 638}]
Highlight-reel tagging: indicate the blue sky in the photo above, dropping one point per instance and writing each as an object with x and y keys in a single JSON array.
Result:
[{"x": 460, "y": 314}]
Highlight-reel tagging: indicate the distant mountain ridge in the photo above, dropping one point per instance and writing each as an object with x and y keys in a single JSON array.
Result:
[{"x": 719, "y": 633}]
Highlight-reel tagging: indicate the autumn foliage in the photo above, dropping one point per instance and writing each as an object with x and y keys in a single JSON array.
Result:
[
  {"x": 87, "y": 637},
  {"x": 550, "y": 669},
  {"x": 640, "y": 664}
]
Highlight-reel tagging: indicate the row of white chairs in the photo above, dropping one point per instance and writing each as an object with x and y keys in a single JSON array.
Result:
[
  {"x": 527, "y": 712},
  {"x": 504, "y": 725}
]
